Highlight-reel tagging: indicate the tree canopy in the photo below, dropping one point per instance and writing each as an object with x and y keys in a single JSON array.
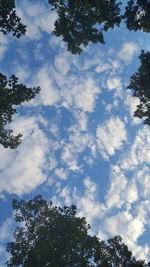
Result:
[
  {"x": 137, "y": 15},
  {"x": 53, "y": 236},
  {"x": 80, "y": 22},
  {"x": 140, "y": 83},
  {"x": 9, "y": 21},
  {"x": 12, "y": 94}
]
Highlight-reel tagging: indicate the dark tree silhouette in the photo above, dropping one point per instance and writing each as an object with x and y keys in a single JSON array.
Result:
[
  {"x": 12, "y": 94},
  {"x": 52, "y": 236},
  {"x": 114, "y": 252},
  {"x": 137, "y": 15},
  {"x": 9, "y": 21},
  {"x": 140, "y": 83},
  {"x": 82, "y": 21}
]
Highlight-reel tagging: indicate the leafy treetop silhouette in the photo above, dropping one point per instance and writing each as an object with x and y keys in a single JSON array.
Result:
[
  {"x": 55, "y": 236},
  {"x": 140, "y": 83},
  {"x": 137, "y": 15},
  {"x": 12, "y": 94},
  {"x": 82, "y": 21},
  {"x": 9, "y": 21}
]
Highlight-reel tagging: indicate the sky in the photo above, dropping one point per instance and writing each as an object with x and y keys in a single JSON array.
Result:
[{"x": 81, "y": 143}]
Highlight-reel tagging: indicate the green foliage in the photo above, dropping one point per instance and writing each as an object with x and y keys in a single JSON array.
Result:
[
  {"x": 9, "y": 21},
  {"x": 52, "y": 236},
  {"x": 80, "y": 22},
  {"x": 137, "y": 15},
  {"x": 140, "y": 83},
  {"x": 115, "y": 253},
  {"x": 12, "y": 94}
]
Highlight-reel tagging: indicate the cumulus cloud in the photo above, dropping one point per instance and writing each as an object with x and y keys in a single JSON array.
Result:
[
  {"x": 37, "y": 17},
  {"x": 103, "y": 67},
  {"x": 131, "y": 103},
  {"x": 127, "y": 52},
  {"x": 22, "y": 72},
  {"x": 87, "y": 205},
  {"x": 61, "y": 88},
  {"x": 110, "y": 136},
  {"x": 128, "y": 195},
  {"x": 114, "y": 83},
  {"x": 22, "y": 170},
  {"x": 130, "y": 228},
  {"x": 49, "y": 95},
  {"x": 78, "y": 141},
  {"x": 6, "y": 231},
  {"x": 61, "y": 173},
  {"x": 139, "y": 152},
  {"x": 61, "y": 63}
]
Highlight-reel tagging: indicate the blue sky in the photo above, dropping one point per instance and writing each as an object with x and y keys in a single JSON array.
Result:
[{"x": 81, "y": 143}]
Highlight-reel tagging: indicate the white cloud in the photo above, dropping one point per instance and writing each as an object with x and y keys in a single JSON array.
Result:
[
  {"x": 127, "y": 52},
  {"x": 132, "y": 103},
  {"x": 49, "y": 95},
  {"x": 37, "y": 17},
  {"x": 6, "y": 232},
  {"x": 110, "y": 136},
  {"x": 87, "y": 204},
  {"x": 80, "y": 93},
  {"x": 6, "y": 229},
  {"x": 101, "y": 68},
  {"x": 117, "y": 188},
  {"x": 53, "y": 163},
  {"x": 78, "y": 141},
  {"x": 61, "y": 63},
  {"x": 85, "y": 94},
  {"x": 61, "y": 173},
  {"x": 22, "y": 169},
  {"x": 114, "y": 83},
  {"x": 22, "y": 72},
  {"x": 142, "y": 177},
  {"x": 128, "y": 195},
  {"x": 66, "y": 195},
  {"x": 125, "y": 225},
  {"x": 60, "y": 88},
  {"x": 139, "y": 151},
  {"x": 82, "y": 119}
]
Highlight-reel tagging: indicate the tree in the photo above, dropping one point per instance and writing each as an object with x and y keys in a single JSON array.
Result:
[
  {"x": 12, "y": 93},
  {"x": 9, "y": 21},
  {"x": 114, "y": 252},
  {"x": 51, "y": 236},
  {"x": 54, "y": 236},
  {"x": 140, "y": 83},
  {"x": 137, "y": 15},
  {"x": 82, "y": 21}
]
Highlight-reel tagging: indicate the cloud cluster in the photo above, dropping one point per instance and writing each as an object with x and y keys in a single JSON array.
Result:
[
  {"x": 38, "y": 18},
  {"x": 110, "y": 136},
  {"x": 63, "y": 89},
  {"x": 22, "y": 170},
  {"x": 127, "y": 52}
]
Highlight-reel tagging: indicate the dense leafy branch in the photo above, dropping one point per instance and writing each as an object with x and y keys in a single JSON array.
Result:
[
  {"x": 52, "y": 236},
  {"x": 137, "y": 15},
  {"x": 82, "y": 21},
  {"x": 9, "y": 21},
  {"x": 140, "y": 83},
  {"x": 12, "y": 94}
]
